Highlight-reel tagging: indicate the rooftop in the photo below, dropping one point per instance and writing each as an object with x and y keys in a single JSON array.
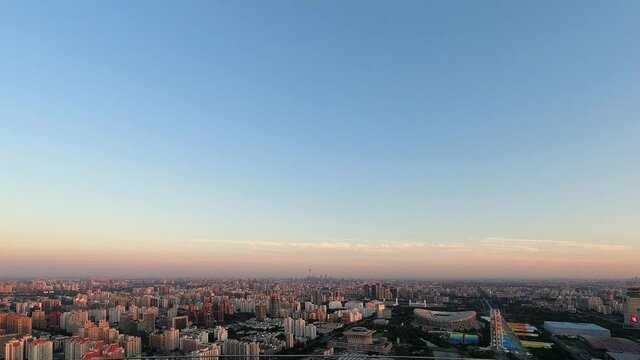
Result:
[
  {"x": 623, "y": 356},
  {"x": 613, "y": 344},
  {"x": 359, "y": 331},
  {"x": 572, "y": 325},
  {"x": 448, "y": 315}
]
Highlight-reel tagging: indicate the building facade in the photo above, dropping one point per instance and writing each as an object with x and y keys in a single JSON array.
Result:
[{"x": 631, "y": 308}]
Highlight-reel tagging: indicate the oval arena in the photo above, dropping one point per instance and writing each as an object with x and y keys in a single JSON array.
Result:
[{"x": 447, "y": 320}]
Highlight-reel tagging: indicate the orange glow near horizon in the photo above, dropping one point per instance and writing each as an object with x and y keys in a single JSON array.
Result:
[{"x": 474, "y": 258}]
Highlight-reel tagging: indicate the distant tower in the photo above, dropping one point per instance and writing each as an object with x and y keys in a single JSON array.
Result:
[{"x": 309, "y": 272}]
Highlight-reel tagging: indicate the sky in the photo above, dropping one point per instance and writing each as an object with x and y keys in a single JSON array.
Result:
[{"x": 418, "y": 139}]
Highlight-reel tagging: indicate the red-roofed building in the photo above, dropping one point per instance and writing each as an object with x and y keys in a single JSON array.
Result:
[
  {"x": 76, "y": 347},
  {"x": 41, "y": 349},
  {"x": 98, "y": 345},
  {"x": 89, "y": 356},
  {"x": 104, "y": 351},
  {"x": 113, "y": 351}
]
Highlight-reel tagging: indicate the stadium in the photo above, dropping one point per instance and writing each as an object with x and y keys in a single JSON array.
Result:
[{"x": 446, "y": 320}]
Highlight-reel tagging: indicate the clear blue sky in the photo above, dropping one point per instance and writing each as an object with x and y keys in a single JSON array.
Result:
[{"x": 161, "y": 123}]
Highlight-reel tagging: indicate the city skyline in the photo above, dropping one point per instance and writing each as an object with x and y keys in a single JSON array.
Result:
[
  {"x": 396, "y": 140},
  {"x": 109, "y": 318}
]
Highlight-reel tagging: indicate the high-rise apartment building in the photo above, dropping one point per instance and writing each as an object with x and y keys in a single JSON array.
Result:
[
  {"x": 40, "y": 349},
  {"x": 18, "y": 323},
  {"x": 274, "y": 311},
  {"x": 54, "y": 319},
  {"x": 298, "y": 327},
  {"x": 288, "y": 325},
  {"x": 114, "y": 314},
  {"x": 235, "y": 347},
  {"x": 210, "y": 352},
  {"x": 221, "y": 333},
  {"x": 156, "y": 341},
  {"x": 75, "y": 347},
  {"x": 97, "y": 315},
  {"x": 149, "y": 322},
  {"x": 14, "y": 350},
  {"x": 132, "y": 345},
  {"x": 74, "y": 320},
  {"x": 310, "y": 331},
  {"x": 101, "y": 331},
  {"x": 261, "y": 311},
  {"x": 631, "y": 308},
  {"x": 179, "y": 322},
  {"x": 39, "y": 319},
  {"x": 290, "y": 340},
  {"x": 4, "y": 339},
  {"x": 169, "y": 340},
  {"x": 3, "y": 320}
]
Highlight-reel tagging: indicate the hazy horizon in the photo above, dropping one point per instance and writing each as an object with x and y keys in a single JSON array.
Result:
[
  {"x": 433, "y": 139},
  {"x": 9, "y": 278}
]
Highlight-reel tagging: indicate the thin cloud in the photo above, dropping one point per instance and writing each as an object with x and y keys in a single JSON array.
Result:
[
  {"x": 540, "y": 244},
  {"x": 207, "y": 241},
  {"x": 501, "y": 240},
  {"x": 342, "y": 244},
  {"x": 607, "y": 246}
]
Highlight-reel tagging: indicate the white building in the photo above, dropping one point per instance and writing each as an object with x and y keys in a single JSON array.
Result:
[
  {"x": 310, "y": 331},
  {"x": 41, "y": 349},
  {"x": 288, "y": 325},
  {"x": 335, "y": 305},
  {"x": 221, "y": 333},
  {"x": 98, "y": 315},
  {"x": 298, "y": 327},
  {"x": 72, "y": 321},
  {"x": 114, "y": 315},
  {"x": 235, "y": 347},
  {"x": 353, "y": 304},
  {"x": 207, "y": 353}
]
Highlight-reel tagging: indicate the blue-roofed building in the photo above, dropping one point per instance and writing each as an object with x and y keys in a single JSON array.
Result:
[{"x": 575, "y": 329}]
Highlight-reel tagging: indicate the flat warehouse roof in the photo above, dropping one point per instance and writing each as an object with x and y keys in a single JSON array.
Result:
[{"x": 571, "y": 325}]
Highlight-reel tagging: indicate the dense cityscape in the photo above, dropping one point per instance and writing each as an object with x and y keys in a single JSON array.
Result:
[{"x": 83, "y": 319}]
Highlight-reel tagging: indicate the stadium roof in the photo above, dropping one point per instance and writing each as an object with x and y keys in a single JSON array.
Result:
[{"x": 444, "y": 315}]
